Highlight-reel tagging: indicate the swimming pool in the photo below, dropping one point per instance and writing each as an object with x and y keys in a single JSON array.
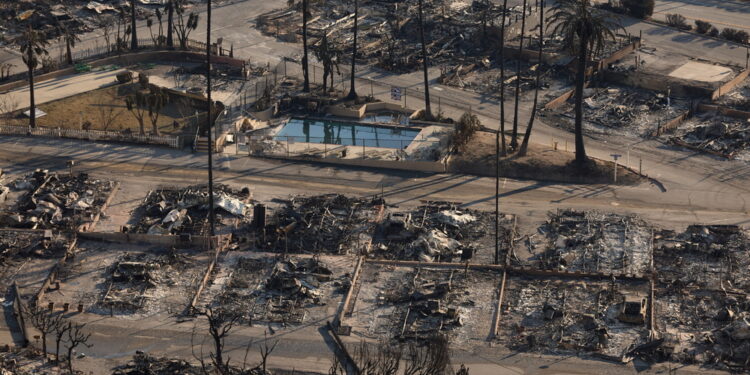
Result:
[{"x": 345, "y": 133}]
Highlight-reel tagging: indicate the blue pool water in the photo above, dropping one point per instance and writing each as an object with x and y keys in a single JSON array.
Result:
[{"x": 345, "y": 133}]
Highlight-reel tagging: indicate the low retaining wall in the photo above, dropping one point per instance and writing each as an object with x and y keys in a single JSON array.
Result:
[
  {"x": 160, "y": 240},
  {"x": 405, "y": 165},
  {"x": 659, "y": 82},
  {"x": 729, "y": 86},
  {"x": 53, "y": 273},
  {"x": 672, "y": 124},
  {"x": 18, "y": 313},
  {"x": 729, "y": 112}
]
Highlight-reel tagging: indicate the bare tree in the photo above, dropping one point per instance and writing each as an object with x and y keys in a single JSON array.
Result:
[
  {"x": 76, "y": 337},
  {"x": 106, "y": 112},
  {"x": 432, "y": 359},
  {"x": 137, "y": 104},
  {"x": 60, "y": 329},
  {"x": 8, "y": 103},
  {"x": 184, "y": 24},
  {"x": 220, "y": 323},
  {"x": 155, "y": 101},
  {"x": 265, "y": 351},
  {"x": 106, "y": 25},
  {"x": 43, "y": 322},
  {"x": 5, "y": 70}
]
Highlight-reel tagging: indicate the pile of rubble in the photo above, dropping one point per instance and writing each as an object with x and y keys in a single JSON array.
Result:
[
  {"x": 282, "y": 297},
  {"x": 485, "y": 78},
  {"x": 389, "y": 31},
  {"x": 437, "y": 232},
  {"x": 714, "y": 133},
  {"x": 330, "y": 223},
  {"x": 20, "y": 361},
  {"x": 57, "y": 201},
  {"x": 711, "y": 257},
  {"x": 145, "y": 364},
  {"x": 40, "y": 244},
  {"x": 624, "y": 110},
  {"x": 702, "y": 296},
  {"x": 597, "y": 317},
  {"x": 185, "y": 211},
  {"x": 590, "y": 241},
  {"x": 428, "y": 303},
  {"x": 132, "y": 275}
]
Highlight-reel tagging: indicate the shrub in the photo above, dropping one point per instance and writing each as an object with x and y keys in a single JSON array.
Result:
[
  {"x": 639, "y": 8},
  {"x": 714, "y": 32},
  {"x": 678, "y": 21},
  {"x": 702, "y": 27},
  {"x": 465, "y": 129},
  {"x": 734, "y": 35}
]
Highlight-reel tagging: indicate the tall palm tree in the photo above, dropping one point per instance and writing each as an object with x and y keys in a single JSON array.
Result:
[
  {"x": 134, "y": 37},
  {"x": 352, "y": 92},
  {"x": 427, "y": 107},
  {"x": 33, "y": 44},
  {"x": 514, "y": 136},
  {"x": 211, "y": 214},
  {"x": 527, "y": 135},
  {"x": 584, "y": 30}
]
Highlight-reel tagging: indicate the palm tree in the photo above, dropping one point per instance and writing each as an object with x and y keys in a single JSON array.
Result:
[
  {"x": 514, "y": 136},
  {"x": 33, "y": 44},
  {"x": 584, "y": 30},
  {"x": 427, "y": 109},
  {"x": 134, "y": 38},
  {"x": 70, "y": 38},
  {"x": 527, "y": 135},
  {"x": 352, "y": 92}
]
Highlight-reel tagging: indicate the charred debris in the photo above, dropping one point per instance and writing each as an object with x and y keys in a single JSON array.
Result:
[
  {"x": 185, "y": 211},
  {"x": 57, "y": 201},
  {"x": 278, "y": 290}
]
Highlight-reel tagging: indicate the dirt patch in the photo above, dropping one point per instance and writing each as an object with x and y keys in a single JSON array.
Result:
[
  {"x": 540, "y": 163},
  {"x": 106, "y": 109}
]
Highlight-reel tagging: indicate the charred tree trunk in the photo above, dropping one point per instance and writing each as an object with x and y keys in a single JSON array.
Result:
[
  {"x": 503, "y": 150},
  {"x": 170, "y": 23},
  {"x": 514, "y": 136},
  {"x": 134, "y": 37},
  {"x": 427, "y": 107},
  {"x": 581, "y": 157},
  {"x": 352, "y": 92},
  {"x": 527, "y": 135},
  {"x": 305, "y": 66}
]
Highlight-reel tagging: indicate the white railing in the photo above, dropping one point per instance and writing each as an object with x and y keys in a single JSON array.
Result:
[{"x": 93, "y": 135}]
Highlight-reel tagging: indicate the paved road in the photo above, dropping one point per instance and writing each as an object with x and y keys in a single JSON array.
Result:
[{"x": 721, "y": 13}]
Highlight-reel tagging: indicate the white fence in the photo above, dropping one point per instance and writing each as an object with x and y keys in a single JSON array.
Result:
[{"x": 93, "y": 135}]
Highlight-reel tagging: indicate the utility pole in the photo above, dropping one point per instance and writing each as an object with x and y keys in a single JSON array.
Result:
[{"x": 211, "y": 217}]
